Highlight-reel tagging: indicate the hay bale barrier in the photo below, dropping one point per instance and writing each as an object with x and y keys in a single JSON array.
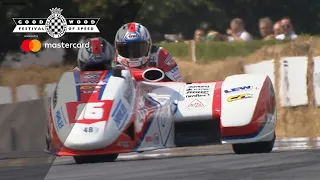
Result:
[{"x": 294, "y": 122}]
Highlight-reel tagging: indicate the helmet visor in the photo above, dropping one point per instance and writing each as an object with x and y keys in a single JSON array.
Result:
[{"x": 133, "y": 49}]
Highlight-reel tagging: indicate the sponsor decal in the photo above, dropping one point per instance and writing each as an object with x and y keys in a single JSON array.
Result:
[
  {"x": 169, "y": 61},
  {"x": 195, "y": 104},
  {"x": 90, "y": 79},
  {"x": 148, "y": 139},
  {"x": 124, "y": 144},
  {"x": 92, "y": 76},
  {"x": 175, "y": 73},
  {"x": 242, "y": 88},
  {"x": 96, "y": 57},
  {"x": 120, "y": 115},
  {"x": 131, "y": 36},
  {"x": 174, "y": 70},
  {"x": 90, "y": 87},
  {"x": 134, "y": 63},
  {"x": 90, "y": 129},
  {"x": 155, "y": 138},
  {"x": 152, "y": 58},
  {"x": 59, "y": 120},
  {"x": 196, "y": 95},
  {"x": 238, "y": 97},
  {"x": 88, "y": 91},
  {"x": 90, "y": 82},
  {"x": 177, "y": 77},
  {"x": 197, "y": 91},
  {"x": 93, "y": 72}
]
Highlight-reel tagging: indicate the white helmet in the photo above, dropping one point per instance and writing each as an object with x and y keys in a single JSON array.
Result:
[
  {"x": 97, "y": 56},
  {"x": 133, "y": 44}
]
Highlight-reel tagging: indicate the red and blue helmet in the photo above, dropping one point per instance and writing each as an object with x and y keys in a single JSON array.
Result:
[
  {"x": 133, "y": 44},
  {"x": 98, "y": 53}
]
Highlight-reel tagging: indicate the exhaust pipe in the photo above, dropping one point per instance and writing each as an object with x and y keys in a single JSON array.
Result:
[{"x": 153, "y": 75}]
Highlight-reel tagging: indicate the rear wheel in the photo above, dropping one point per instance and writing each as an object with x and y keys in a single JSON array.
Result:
[
  {"x": 258, "y": 147},
  {"x": 95, "y": 158}
]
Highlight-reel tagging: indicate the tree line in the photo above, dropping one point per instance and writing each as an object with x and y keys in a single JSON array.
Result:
[{"x": 165, "y": 16}]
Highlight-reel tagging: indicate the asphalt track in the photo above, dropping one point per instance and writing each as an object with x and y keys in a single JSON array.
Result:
[{"x": 207, "y": 162}]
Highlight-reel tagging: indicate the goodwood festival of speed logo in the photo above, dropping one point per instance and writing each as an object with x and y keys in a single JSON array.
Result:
[{"x": 56, "y": 25}]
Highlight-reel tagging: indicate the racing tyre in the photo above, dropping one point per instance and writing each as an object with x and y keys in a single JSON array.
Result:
[
  {"x": 95, "y": 159},
  {"x": 258, "y": 147}
]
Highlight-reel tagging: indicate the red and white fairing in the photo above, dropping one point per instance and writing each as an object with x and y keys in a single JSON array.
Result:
[{"x": 102, "y": 113}]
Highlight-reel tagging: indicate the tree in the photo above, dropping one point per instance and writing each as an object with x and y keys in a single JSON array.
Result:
[{"x": 159, "y": 16}]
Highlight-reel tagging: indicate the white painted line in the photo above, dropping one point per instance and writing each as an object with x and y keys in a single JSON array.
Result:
[
  {"x": 152, "y": 155},
  {"x": 27, "y": 92},
  {"x": 6, "y": 96},
  {"x": 293, "y": 139},
  {"x": 318, "y": 142},
  {"x": 127, "y": 156},
  {"x": 290, "y": 148},
  {"x": 291, "y": 143}
]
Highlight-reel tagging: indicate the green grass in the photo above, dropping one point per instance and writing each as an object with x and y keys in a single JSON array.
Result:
[
  {"x": 206, "y": 52},
  {"x": 176, "y": 49}
]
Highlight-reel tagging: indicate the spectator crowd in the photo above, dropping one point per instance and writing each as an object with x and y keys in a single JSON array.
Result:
[{"x": 280, "y": 30}]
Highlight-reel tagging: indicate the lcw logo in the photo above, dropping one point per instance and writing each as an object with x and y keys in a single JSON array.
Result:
[{"x": 243, "y": 88}]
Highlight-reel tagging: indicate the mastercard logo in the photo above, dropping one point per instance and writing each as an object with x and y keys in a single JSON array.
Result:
[{"x": 31, "y": 45}]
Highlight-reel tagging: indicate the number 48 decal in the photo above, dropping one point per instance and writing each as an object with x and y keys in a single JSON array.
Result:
[
  {"x": 88, "y": 129},
  {"x": 91, "y": 110}
]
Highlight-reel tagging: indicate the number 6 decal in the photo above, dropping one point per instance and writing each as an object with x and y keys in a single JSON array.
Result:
[{"x": 90, "y": 111}]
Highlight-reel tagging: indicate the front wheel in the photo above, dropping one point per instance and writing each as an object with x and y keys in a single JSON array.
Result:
[
  {"x": 95, "y": 158},
  {"x": 258, "y": 147}
]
